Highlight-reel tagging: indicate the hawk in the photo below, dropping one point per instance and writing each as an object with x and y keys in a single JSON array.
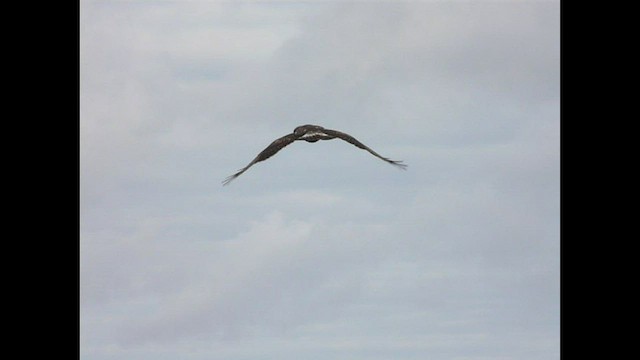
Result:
[{"x": 309, "y": 133}]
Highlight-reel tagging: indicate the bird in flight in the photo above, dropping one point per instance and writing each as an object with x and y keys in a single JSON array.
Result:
[{"x": 309, "y": 133}]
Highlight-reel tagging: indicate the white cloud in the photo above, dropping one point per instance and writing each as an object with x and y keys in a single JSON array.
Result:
[
  {"x": 322, "y": 251},
  {"x": 278, "y": 274}
]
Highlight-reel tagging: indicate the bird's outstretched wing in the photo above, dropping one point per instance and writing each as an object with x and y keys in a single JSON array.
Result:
[
  {"x": 271, "y": 150},
  {"x": 350, "y": 139}
]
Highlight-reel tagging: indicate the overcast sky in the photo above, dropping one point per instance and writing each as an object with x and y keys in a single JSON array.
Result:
[{"x": 323, "y": 251}]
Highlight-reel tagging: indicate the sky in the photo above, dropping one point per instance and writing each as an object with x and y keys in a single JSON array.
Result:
[{"x": 322, "y": 251}]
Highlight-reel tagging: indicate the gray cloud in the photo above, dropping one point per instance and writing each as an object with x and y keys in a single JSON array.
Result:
[{"x": 323, "y": 251}]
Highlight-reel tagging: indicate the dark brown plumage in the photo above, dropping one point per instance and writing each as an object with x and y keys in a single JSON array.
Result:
[{"x": 309, "y": 133}]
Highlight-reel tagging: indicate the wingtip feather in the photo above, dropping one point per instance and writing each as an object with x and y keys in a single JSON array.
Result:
[
  {"x": 230, "y": 178},
  {"x": 397, "y": 163}
]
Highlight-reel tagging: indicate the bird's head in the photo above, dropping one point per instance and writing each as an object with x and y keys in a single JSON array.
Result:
[{"x": 303, "y": 129}]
